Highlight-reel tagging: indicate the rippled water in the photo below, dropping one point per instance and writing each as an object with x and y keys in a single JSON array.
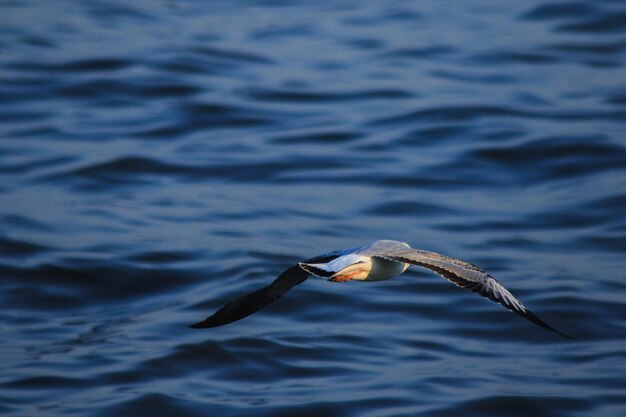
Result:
[{"x": 160, "y": 158}]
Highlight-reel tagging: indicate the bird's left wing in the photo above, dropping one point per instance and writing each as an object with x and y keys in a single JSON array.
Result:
[
  {"x": 250, "y": 303},
  {"x": 468, "y": 276}
]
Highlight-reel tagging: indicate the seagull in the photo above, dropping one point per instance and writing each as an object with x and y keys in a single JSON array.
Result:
[{"x": 376, "y": 261}]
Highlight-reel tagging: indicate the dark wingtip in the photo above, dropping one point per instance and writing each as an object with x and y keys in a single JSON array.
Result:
[
  {"x": 533, "y": 318},
  {"x": 552, "y": 329},
  {"x": 565, "y": 335},
  {"x": 205, "y": 324}
]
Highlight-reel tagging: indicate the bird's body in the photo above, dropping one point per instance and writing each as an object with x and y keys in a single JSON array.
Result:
[
  {"x": 361, "y": 263},
  {"x": 376, "y": 261}
]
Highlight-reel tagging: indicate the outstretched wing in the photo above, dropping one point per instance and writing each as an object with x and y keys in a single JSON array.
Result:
[
  {"x": 254, "y": 301},
  {"x": 242, "y": 307},
  {"x": 468, "y": 276}
]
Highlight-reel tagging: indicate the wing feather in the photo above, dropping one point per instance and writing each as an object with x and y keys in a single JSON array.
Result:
[{"x": 242, "y": 307}]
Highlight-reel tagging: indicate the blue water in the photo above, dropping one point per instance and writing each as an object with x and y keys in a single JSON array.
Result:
[{"x": 159, "y": 158}]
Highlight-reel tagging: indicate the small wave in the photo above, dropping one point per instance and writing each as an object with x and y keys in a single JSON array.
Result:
[
  {"x": 553, "y": 158},
  {"x": 59, "y": 286},
  {"x": 318, "y": 137},
  {"x": 513, "y": 405},
  {"x": 156, "y": 404},
  {"x": 404, "y": 208},
  {"x": 561, "y": 10},
  {"x": 462, "y": 113},
  {"x": 45, "y": 382},
  {"x": 20, "y": 248},
  {"x": 95, "y": 64},
  {"x": 323, "y": 97},
  {"x": 609, "y": 23},
  {"x": 101, "y": 88},
  {"x": 421, "y": 53},
  {"x": 135, "y": 170},
  {"x": 231, "y": 55}
]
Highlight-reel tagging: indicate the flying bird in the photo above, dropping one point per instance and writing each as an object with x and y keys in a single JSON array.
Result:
[{"x": 376, "y": 261}]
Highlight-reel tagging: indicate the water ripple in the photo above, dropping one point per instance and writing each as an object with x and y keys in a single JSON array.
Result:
[{"x": 160, "y": 159}]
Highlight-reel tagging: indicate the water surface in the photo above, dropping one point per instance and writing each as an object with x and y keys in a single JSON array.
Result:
[{"x": 159, "y": 159}]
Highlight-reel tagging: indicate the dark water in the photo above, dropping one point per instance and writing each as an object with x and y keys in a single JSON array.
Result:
[{"x": 159, "y": 158}]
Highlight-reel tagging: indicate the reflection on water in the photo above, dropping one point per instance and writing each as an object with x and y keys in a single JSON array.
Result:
[{"x": 159, "y": 159}]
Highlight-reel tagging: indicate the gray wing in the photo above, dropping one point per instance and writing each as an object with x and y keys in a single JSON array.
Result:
[
  {"x": 242, "y": 307},
  {"x": 468, "y": 276}
]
